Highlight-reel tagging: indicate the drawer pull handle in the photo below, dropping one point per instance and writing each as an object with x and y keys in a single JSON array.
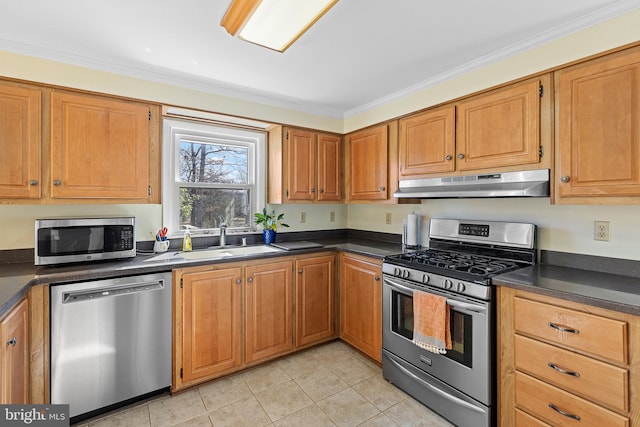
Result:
[
  {"x": 563, "y": 371},
  {"x": 566, "y": 414},
  {"x": 564, "y": 329}
]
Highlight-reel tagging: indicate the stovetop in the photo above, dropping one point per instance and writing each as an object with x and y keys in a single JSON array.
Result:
[{"x": 463, "y": 266}]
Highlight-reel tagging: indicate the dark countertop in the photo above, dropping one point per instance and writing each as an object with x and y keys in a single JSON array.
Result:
[
  {"x": 600, "y": 288},
  {"x": 16, "y": 278}
]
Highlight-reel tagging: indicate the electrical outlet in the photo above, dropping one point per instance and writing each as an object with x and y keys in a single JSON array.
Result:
[
  {"x": 303, "y": 217},
  {"x": 601, "y": 230},
  {"x": 332, "y": 216},
  {"x": 387, "y": 218}
]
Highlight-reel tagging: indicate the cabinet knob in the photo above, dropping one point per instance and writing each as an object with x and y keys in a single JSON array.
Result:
[
  {"x": 376, "y": 278},
  {"x": 250, "y": 280},
  {"x": 448, "y": 157},
  {"x": 382, "y": 188},
  {"x": 33, "y": 182},
  {"x": 57, "y": 182},
  {"x": 322, "y": 190},
  {"x": 12, "y": 342},
  {"x": 313, "y": 190},
  {"x": 238, "y": 281},
  {"x": 300, "y": 271},
  {"x": 461, "y": 156},
  {"x": 565, "y": 178}
]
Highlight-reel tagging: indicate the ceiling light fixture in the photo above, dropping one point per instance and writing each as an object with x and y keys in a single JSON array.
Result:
[{"x": 274, "y": 24}]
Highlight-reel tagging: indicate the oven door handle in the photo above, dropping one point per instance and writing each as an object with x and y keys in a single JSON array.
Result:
[
  {"x": 437, "y": 390},
  {"x": 452, "y": 303}
]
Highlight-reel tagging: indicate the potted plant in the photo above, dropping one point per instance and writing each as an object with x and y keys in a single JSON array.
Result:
[{"x": 270, "y": 223}]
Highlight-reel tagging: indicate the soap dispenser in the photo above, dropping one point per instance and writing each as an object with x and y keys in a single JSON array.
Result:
[{"x": 186, "y": 241}]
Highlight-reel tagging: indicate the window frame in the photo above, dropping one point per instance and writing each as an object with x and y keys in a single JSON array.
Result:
[{"x": 175, "y": 130}]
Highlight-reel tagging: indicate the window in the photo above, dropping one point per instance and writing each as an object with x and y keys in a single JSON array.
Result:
[{"x": 213, "y": 174}]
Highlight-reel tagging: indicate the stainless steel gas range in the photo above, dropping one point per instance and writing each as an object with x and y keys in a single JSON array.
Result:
[{"x": 462, "y": 258}]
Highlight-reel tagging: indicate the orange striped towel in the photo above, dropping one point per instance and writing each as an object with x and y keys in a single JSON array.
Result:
[{"x": 431, "y": 322}]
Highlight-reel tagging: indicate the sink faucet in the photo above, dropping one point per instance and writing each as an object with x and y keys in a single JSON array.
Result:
[{"x": 223, "y": 233}]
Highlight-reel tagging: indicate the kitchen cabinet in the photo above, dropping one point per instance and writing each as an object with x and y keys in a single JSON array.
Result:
[
  {"x": 361, "y": 303},
  {"x": 315, "y": 296},
  {"x": 20, "y": 133},
  {"x": 503, "y": 129},
  {"x": 560, "y": 359},
  {"x": 598, "y": 130},
  {"x": 304, "y": 166},
  {"x": 100, "y": 147},
  {"x": 371, "y": 164},
  {"x": 14, "y": 359},
  {"x": 268, "y": 310},
  {"x": 211, "y": 322}
]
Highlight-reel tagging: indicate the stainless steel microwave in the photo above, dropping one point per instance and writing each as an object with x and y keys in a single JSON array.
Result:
[{"x": 68, "y": 240}]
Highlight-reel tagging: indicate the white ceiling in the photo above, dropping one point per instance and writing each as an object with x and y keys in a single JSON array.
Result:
[{"x": 362, "y": 53}]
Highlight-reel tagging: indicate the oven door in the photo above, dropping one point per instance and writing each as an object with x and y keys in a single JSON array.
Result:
[{"x": 468, "y": 365}]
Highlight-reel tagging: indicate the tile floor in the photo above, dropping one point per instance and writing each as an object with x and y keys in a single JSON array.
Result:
[{"x": 328, "y": 385}]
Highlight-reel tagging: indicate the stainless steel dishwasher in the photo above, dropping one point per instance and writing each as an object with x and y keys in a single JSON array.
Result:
[{"x": 110, "y": 340}]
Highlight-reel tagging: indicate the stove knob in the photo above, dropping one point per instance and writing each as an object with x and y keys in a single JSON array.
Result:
[
  {"x": 448, "y": 284},
  {"x": 405, "y": 274},
  {"x": 396, "y": 271},
  {"x": 461, "y": 287},
  {"x": 425, "y": 278}
]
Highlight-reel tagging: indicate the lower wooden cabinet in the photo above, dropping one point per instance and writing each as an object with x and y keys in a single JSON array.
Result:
[
  {"x": 211, "y": 322},
  {"x": 361, "y": 304},
  {"x": 232, "y": 315},
  {"x": 14, "y": 358},
  {"x": 563, "y": 363},
  {"x": 315, "y": 314},
  {"x": 268, "y": 310}
]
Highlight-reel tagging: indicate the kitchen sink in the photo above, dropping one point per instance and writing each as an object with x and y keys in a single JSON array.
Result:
[{"x": 217, "y": 253}]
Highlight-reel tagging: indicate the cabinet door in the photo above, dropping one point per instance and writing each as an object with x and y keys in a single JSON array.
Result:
[
  {"x": 361, "y": 305},
  {"x": 300, "y": 164},
  {"x": 20, "y": 138},
  {"x": 329, "y": 165},
  {"x": 499, "y": 128},
  {"x": 368, "y": 162},
  {"x": 427, "y": 142},
  {"x": 99, "y": 147},
  {"x": 268, "y": 310},
  {"x": 598, "y": 127},
  {"x": 212, "y": 322},
  {"x": 314, "y": 299},
  {"x": 15, "y": 356}
]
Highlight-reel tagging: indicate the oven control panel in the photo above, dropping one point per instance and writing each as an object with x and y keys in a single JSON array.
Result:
[{"x": 473, "y": 230}]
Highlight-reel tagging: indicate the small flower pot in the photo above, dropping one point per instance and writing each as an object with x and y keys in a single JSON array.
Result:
[{"x": 269, "y": 236}]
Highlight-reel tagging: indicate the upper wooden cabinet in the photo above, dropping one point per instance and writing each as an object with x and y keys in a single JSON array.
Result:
[
  {"x": 371, "y": 164},
  {"x": 20, "y": 138},
  {"x": 504, "y": 129},
  {"x": 304, "y": 166},
  {"x": 427, "y": 142},
  {"x": 598, "y": 130},
  {"x": 99, "y": 147}
]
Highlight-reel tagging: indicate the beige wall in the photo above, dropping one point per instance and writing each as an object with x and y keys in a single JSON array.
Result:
[{"x": 562, "y": 228}]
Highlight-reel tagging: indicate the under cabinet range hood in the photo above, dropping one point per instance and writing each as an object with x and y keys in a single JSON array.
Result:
[{"x": 532, "y": 183}]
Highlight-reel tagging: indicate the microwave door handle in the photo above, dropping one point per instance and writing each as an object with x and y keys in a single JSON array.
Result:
[{"x": 466, "y": 306}]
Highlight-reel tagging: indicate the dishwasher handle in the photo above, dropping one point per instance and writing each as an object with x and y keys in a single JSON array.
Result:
[{"x": 112, "y": 291}]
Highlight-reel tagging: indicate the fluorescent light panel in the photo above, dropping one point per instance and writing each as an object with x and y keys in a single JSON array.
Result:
[{"x": 276, "y": 24}]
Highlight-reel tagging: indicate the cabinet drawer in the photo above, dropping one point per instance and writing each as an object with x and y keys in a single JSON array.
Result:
[
  {"x": 525, "y": 420},
  {"x": 579, "y": 374},
  {"x": 595, "y": 335},
  {"x": 539, "y": 399}
]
